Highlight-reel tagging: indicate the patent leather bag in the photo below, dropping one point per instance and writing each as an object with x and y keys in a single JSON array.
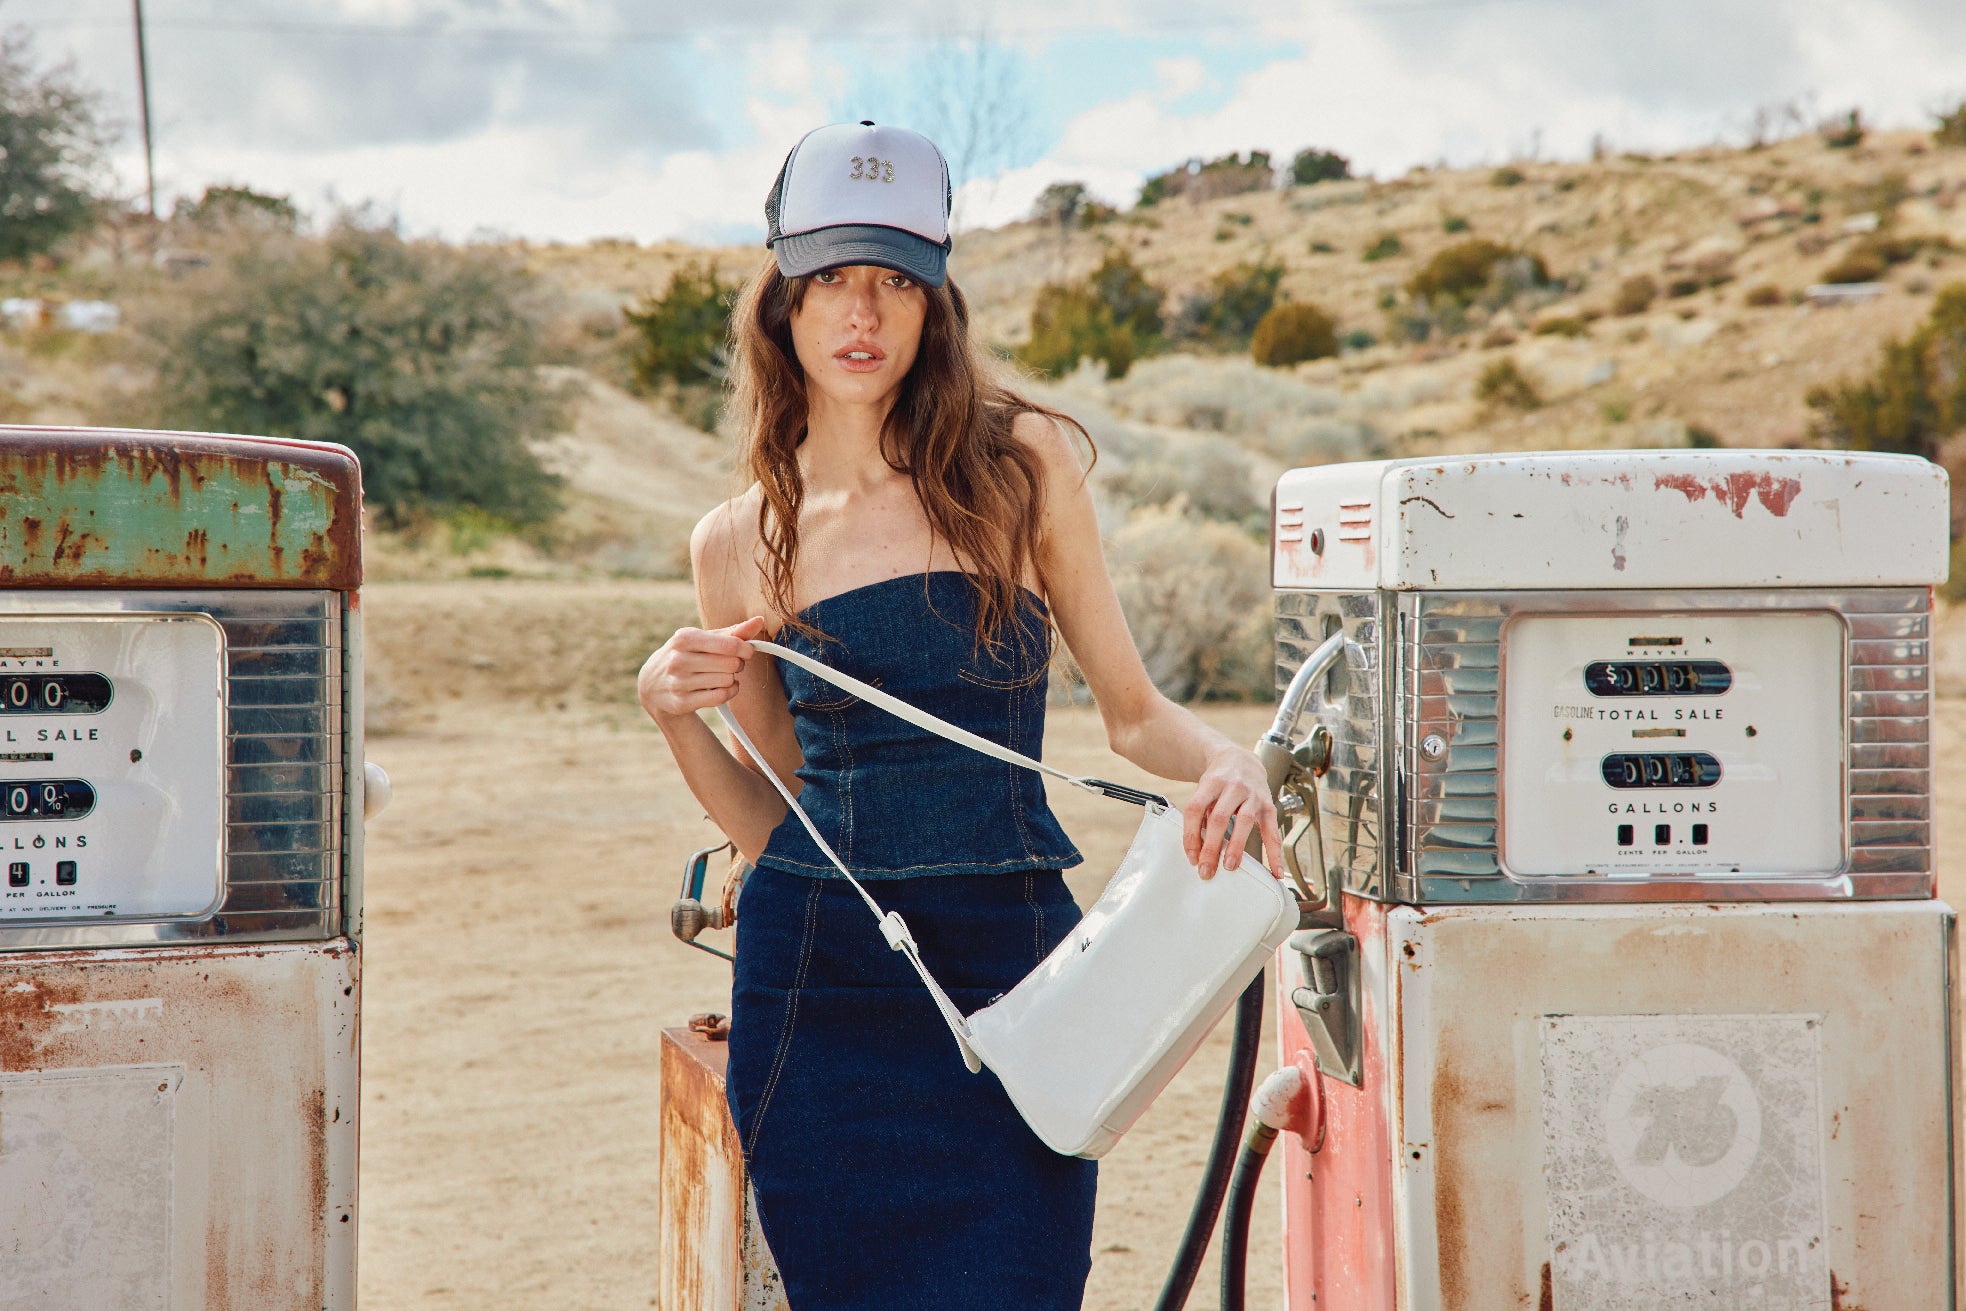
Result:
[{"x": 1089, "y": 1038}]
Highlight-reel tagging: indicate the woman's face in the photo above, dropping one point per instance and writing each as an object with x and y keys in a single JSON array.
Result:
[{"x": 857, "y": 331}]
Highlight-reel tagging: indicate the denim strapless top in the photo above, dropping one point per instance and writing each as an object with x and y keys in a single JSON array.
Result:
[{"x": 897, "y": 801}]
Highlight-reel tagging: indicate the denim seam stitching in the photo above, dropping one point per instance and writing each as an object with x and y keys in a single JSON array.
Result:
[
  {"x": 1030, "y": 895},
  {"x": 791, "y": 1021},
  {"x": 1015, "y": 715},
  {"x": 1016, "y": 862},
  {"x": 844, "y": 747}
]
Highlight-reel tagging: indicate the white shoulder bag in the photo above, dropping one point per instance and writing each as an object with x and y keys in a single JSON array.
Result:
[{"x": 1090, "y": 1037}]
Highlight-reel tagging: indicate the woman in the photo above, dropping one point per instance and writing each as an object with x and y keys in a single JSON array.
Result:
[{"x": 915, "y": 524}]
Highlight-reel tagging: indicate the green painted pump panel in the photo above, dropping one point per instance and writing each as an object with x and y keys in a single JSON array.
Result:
[{"x": 118, "y": 508}]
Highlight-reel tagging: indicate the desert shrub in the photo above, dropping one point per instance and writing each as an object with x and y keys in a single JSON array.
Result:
[
  {"x": 1280, "y": 413},
  {"x": 1323, "y": 248},
  {"x": 1462, "y": 271},
  {"x": 1685, "y": 285},
  {"x": 1507, "y": 176},
  {"x": 1069, "y": 324},
  {"x": 418, "y": 356},
  {"x": 1227, "y": 310},
  {"x": 1505, "y": 385},
  {"x": 1763, "y": 296},
  {"x": 1230, "y": 175},
  {"x": 1387, "y": 246},
  {"x": 1059, "y": 203},
  {"x": 1196, "y": 595},
  {"x": 52, "y": 144},
  {"x": 1313, "y": 166},
  {"x": 1453, "y": 223},
  {"x": 1205, "y": 471},
  {"x": 1113, "y": 317},
  {"x": 1124, "y": 290},
  {"x": 228, "y": 207},
  {"x": 1635, "y": 295},
  {"x": 1564, "y": 325},
  {"x": 1291, "y": 334},
  {"x": 1951, "y": 130},
  {"x": 1863, "y": 262},
  {"x": 1843, "y": 131},
  {"x": 1868, "y": 259},
  {"x": 1359, "y": 339},
  {"x": 1915, "y": 399},
  {"x": 681, "y": 336}
]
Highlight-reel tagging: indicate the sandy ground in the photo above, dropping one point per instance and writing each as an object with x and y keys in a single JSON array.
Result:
[{"x": 520, "y": 966}]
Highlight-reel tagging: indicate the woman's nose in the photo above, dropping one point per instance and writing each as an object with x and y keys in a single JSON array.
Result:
[{"x": 863, "y": 307}]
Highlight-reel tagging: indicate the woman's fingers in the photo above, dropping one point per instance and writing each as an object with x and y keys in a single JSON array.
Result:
[
  {"x": 1194, "y": 818},
  {"x": 1225, "y": 827},
  {"x": 1217, "y": 830},
  {"x": 697, "y": 668}
]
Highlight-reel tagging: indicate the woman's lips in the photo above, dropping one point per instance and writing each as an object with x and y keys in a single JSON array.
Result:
[{"x": 860, "y": 360}]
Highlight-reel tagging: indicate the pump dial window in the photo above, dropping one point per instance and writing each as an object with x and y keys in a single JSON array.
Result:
[
  {"x": 55, "y": 694},
  {"x": 112, "y": 749},
  {"x": 1657, "y": 677},
  {"x": 1661, "y": 769},
  {"x": 1720, "y": 737}
]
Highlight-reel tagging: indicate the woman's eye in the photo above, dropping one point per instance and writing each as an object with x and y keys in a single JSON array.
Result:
[
  {"x": 901, "y": 282},
  {"x": 827, "y": 277}
]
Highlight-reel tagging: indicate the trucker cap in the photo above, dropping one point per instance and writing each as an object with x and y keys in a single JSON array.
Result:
[{"x": 854, "y": 193}]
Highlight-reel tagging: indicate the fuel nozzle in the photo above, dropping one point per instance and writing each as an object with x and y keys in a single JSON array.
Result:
[{"x": 688, "y": 916}]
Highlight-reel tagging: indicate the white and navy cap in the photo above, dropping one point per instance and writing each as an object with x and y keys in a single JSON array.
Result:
[{"x": 854, "y": 193}]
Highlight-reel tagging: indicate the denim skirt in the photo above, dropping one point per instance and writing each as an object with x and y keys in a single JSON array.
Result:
[{"x": 887, "y": 1175}]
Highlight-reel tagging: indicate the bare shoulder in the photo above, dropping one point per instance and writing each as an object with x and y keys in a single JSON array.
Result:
[
  {"x": 1055, "y": 444},
  {"x": 723, "y": 559}
]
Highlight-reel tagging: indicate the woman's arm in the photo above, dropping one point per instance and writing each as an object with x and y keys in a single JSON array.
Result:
[
  {"x": 702, "y": 668},
  {"x": 1141, "y": 724}
]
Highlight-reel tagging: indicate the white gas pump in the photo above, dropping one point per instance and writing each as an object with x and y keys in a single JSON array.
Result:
[
  {"x": 1628, "y": 987},
  {"x": 181, "y": 803}
]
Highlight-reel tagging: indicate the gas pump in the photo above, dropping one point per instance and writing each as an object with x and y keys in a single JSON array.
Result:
[
  {"x": 1624, "y": 984},
  {"x": 182, "y": 793}
]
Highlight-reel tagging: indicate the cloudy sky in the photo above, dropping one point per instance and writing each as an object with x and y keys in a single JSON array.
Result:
[{"x": 573, "y": 119}]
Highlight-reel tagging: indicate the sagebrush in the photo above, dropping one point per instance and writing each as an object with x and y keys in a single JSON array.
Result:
[
  {"x": 1915, "y": 400},
  {"x": 419, "y": 357}
]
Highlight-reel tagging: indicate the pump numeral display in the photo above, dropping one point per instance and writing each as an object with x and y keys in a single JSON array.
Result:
[
  {"x": 54, "y": 798},
  {"x": 54, "y": 694},
  {"x": 1657, "y": 677},
  {"x": 1661, "y": 769}
]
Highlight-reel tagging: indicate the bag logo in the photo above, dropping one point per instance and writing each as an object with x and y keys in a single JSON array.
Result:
[{"x": 870, "y": 168}]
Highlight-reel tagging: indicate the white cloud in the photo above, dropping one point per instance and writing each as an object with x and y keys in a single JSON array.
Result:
[{"x": 1179, "y": 77}]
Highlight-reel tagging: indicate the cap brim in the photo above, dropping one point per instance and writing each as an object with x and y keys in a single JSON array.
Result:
[{"x": 806, "y": 253}]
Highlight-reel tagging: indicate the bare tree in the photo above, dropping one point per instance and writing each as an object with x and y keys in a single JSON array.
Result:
[{"x": 971, "y": 99}]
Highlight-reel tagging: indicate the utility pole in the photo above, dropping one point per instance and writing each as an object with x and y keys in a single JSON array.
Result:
[{"x": 143, "y": 101}]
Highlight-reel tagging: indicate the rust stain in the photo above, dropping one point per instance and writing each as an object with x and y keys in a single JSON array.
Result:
[
  {"x": 1546, "y": 1301},
  {"x": 168, "y": 469},
  {"x": 1736, "y": 490},
  {"x": 28, "y": 1017},
  {"x": 218, "y": 1287},
  {"x": 701, "y": 1159},
  {"x": 1450, "y": 1221}
]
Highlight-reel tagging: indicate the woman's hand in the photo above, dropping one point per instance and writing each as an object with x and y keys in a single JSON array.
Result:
[
  {"x": 696, "y": 669},
  {"x": 1231, "y": 800}
]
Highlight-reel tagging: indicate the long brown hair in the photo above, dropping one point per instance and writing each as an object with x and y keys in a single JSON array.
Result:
[{"x": 949, "y": 431}]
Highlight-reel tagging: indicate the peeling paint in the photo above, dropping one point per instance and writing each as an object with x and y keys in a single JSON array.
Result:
[
  {"x": 1735, "y": 490},
  {"x": 187, "y": 509}
]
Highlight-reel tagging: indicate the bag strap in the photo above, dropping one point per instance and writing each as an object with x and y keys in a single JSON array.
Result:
[
  {"x": 943, "y": 728},
  {"x": 893, "y": 927}
]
